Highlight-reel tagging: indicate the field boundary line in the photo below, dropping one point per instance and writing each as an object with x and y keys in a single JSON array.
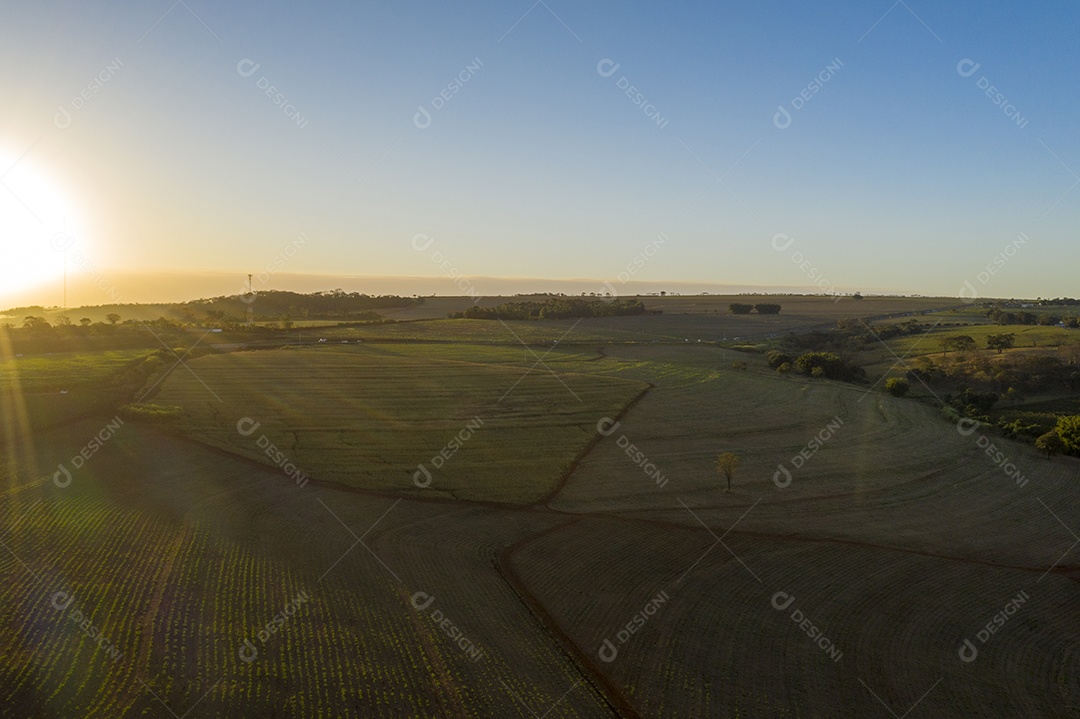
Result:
[
  {"x": 560, "y": 483},
  {"x": 503, "y": 561}
]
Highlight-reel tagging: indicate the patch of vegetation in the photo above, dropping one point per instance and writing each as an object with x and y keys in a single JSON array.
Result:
[
  {"x": 556, "y": 308},
  {"x": 830, "y": 366},
  {"x": 163, "y": 415}
]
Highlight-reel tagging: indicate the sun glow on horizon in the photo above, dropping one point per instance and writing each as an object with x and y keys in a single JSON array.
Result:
[{"x": 38, "y": 227}]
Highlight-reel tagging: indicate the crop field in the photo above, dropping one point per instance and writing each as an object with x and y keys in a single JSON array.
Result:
[
  {"x": 63, "y": 370},
  {"x": 574, "y": 552},
  {"x": 367, "y": 418}
]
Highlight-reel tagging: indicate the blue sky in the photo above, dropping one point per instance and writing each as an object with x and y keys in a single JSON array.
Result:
[{"x": 899, "y": 173}]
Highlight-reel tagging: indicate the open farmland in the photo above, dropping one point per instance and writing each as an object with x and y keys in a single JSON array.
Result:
[
  {"x": 367, "y": 418},
  {"x": 545, "y": 569}
]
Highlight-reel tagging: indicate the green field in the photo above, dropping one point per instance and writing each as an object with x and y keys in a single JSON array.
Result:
[
  {"x": 367, "y": 417},
  {"x": 63, "y": 370},
  {"x": 495, "y": 589}
]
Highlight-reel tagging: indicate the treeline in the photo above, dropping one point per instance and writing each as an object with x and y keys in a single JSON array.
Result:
[
  {"x": 763, "y": 308},
  {"x": 1000, "y": 316},
  {"x": 553, "y": 309},
  {"x": 1025, "y": 373},
  {"x": 281, "y": 304}
]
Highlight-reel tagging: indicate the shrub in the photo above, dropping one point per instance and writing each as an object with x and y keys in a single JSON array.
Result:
[
  {"x": 1050, "y": 444},
  {"x": 897, "y": 386},
  {"x": 1068, "y": 429},
  {"x": 738, "y": 308},
  {"x": 775, "y": 358},
  {"x": 168, "y": 415}
]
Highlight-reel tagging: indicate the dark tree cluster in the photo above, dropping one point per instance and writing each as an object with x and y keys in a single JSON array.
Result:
[
  {"x": 763, "y": 308},
  {"x": 830, "y": 366},
  {"x": 557, "y": 308},
  {"x": 332, "y": 304}
]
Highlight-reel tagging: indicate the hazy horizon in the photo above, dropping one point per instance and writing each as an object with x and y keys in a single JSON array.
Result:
[{"x": 98, "y": 288}]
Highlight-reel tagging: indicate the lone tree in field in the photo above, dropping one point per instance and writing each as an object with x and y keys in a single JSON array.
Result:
[
  {"x": 1001, "y": 342},
  {"x": 112, "y": 318},
  {"x": 727, "y": 463},
  {"x": 739, "y": 308}
]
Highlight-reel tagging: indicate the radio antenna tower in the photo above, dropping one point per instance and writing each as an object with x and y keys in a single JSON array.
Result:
[{"x": 251, "y": 303}]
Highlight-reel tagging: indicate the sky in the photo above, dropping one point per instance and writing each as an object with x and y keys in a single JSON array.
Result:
[{"x": 908, "y": 147}]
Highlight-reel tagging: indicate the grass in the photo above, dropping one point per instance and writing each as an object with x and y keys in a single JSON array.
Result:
[
  {"x": 64, "y": 370},
  {"x": 367, "y": 417}
]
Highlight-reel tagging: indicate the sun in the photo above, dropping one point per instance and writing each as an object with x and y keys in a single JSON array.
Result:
[{"x": 37, "y": 228}]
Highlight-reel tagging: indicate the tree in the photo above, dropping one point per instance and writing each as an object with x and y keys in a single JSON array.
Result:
[
  {"x": 63, "y": 321},
  {"x": 738, "y": 308},
  {"x": 897, "y": 386},
  {"x": 1068, "y": 429},
  {"x": 112, "y": 318},
  {"x": 857, "y": 296},
  {"x": 85, "y": 321},
  {"x": 1001, "y": 342},
  {"x": 726, "y": 464},
  {"x": 1050, "y": 444},
  {"x": 765, "y": 308},
  {"x": 35, "y": 324},
  {"x": 960, "y": 343}
]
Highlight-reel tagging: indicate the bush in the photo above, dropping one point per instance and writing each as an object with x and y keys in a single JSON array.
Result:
[
  {"x": 897, "y": 386},
  {"x": 1050, "y": 444},
  {"x": 1068, "y": 429},
  {"x": 775, "y": 358},
  {"x": 737, "y": 308},
  {"x": 765, "y": 308}
]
